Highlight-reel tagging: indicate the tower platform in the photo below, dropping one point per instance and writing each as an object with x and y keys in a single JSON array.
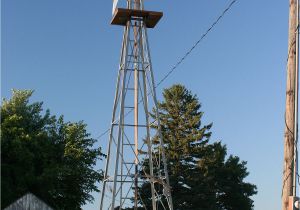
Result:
[{"x": 121, "y": 16}]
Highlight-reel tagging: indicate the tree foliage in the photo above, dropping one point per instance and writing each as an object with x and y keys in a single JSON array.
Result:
[
  {"x": 44, "y": 155},
  {"x": 201, "y": 177}
]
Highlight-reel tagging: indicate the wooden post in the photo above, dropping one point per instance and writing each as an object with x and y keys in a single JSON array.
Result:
[
  {"x": 291, "y": 203},
  {"x": 289, "y": 135}
]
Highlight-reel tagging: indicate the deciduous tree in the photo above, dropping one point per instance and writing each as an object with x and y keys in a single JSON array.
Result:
[{"x": 44, "y": 155}]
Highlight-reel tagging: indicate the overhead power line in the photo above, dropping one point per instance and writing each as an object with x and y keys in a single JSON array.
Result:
[
  {"x": 196, "y": 43},
  {"x": 186, "y": 54}
]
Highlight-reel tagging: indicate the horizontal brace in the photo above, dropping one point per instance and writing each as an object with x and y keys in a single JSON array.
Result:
[
  {"x": 127, "y": 198},
  {"x": 129, "y": 107},
  {"x": 139, "y": 176},
  {"x": 128, "y": 175},
  {"x": 129, "y": 88},
  {"x": 126, "y": 181},
  {"x": 130, "y": 55},
  {"x": 131, "y": 125},
  {"x": 134, "y": 62},
  {"x": 134, "y": 70},
  {"x": 128, "y": 144},
  {"x": 130, "y": 181}
]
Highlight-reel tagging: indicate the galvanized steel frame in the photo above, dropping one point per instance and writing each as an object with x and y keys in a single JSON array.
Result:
[{"x": 142, "y": 59}]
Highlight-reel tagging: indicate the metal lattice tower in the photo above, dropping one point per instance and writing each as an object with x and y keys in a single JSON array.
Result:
[{"x": 135, "y": 154}]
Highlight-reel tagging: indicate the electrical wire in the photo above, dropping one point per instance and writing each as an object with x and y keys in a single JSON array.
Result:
[
  {"x": 197, "y": 43},
  {"x": 180, "y": 61}
]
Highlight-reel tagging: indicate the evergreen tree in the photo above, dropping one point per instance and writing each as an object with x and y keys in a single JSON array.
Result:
[
  {"x": 200, "y": 175},
  {"x": 46, "y": 156}
]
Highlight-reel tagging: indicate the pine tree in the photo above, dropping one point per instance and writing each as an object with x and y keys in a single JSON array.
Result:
[{"x": 200, "y": 175}]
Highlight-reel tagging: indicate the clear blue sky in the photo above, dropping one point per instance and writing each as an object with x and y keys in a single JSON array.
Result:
[{"x": 68, "y": 53}]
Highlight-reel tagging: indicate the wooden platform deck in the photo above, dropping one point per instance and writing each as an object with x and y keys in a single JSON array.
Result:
[{"x": 150, "y": 18}]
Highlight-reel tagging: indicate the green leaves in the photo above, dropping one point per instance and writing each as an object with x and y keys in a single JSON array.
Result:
[
  {"x": 46, "y": 156},
  {"x": 200, "y": 175}
]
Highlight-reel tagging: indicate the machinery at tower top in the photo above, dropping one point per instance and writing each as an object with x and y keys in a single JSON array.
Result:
[{"x": 135, "y": 9}]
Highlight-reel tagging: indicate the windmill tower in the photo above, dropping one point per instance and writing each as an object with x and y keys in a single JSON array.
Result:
[{"x": 136, "y": 164}]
